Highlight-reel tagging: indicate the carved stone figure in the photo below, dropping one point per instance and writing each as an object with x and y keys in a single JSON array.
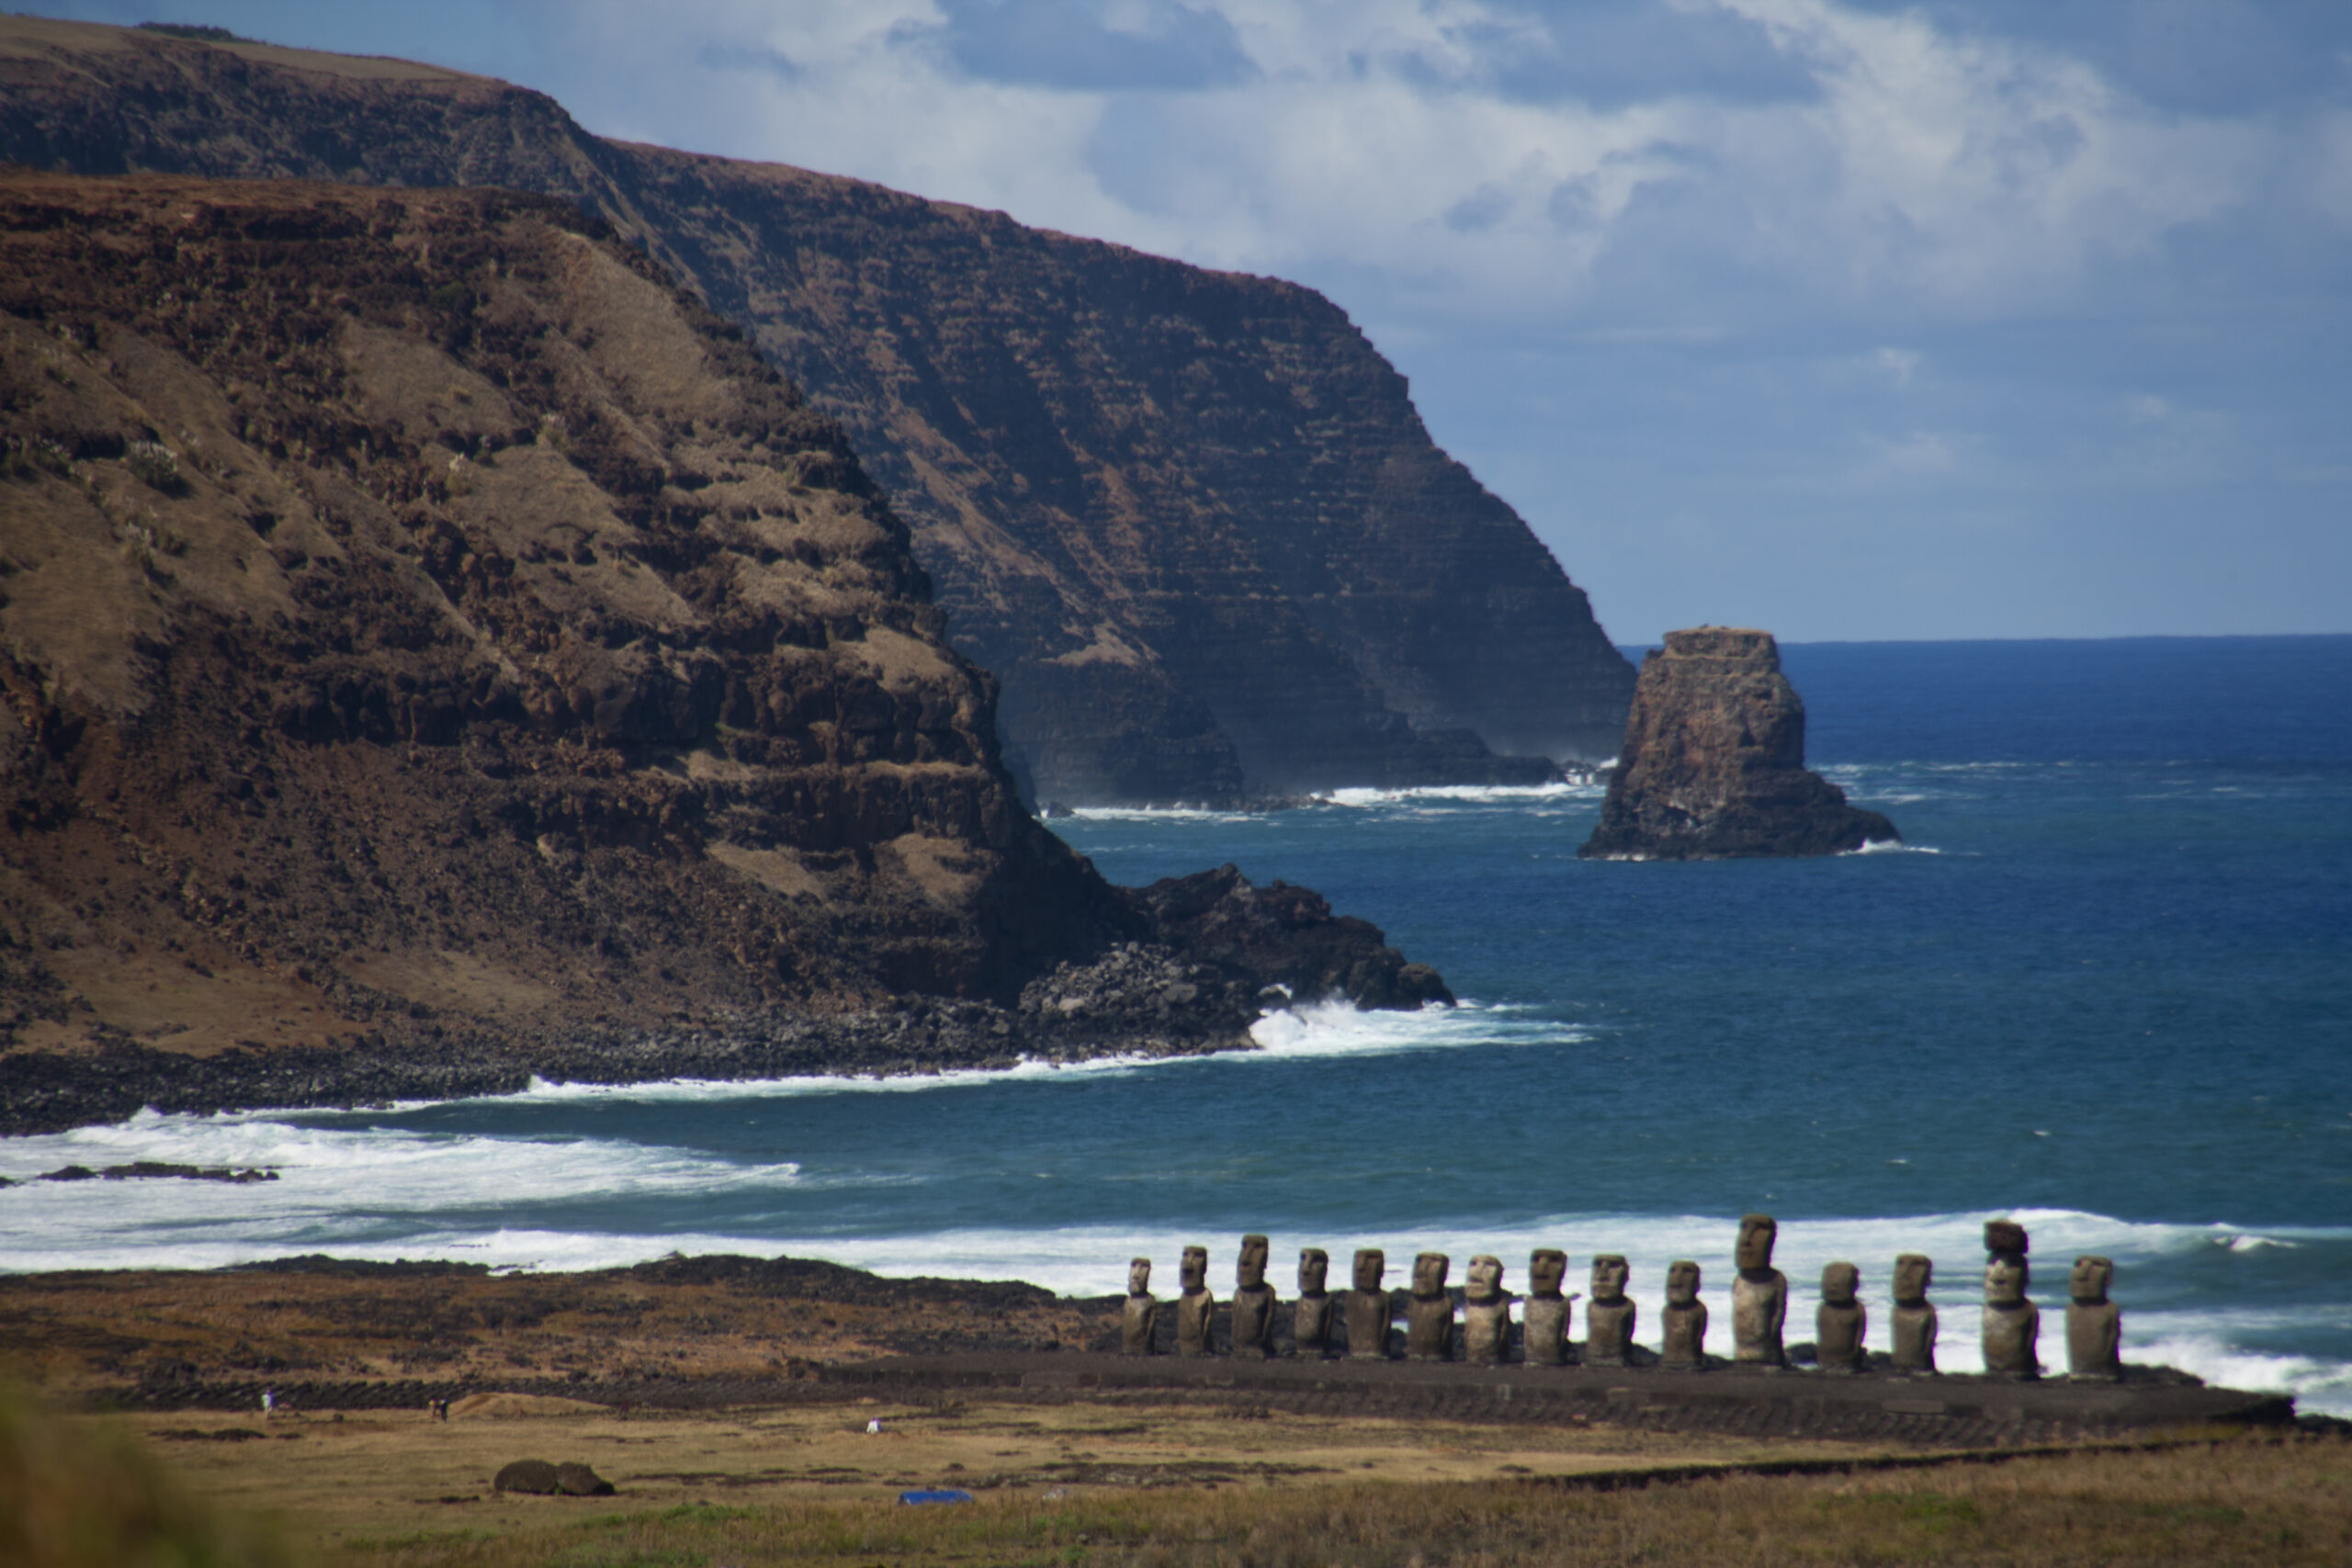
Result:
[
  {"x": 2012, "y": 1324},
  {"x": 1368, "y": 1308},
  {"x": 1311, "y": 1319},
  {"x": 1684, "y": 1321},
  {"x": 1759, "y": 1296},
  {"x": 1195, "y": 1307},
  {"x": 1841, "y": 1320},
  {"x": 1485, "y": 1312},
  {"x": 1253, "y": 1301},
  {"x": 1609, "y": 1316},
  {"x": 1140, "y": 1317},
  {"x": 1428, "y": 1316},
  {"x": 1545, "y": 1313},
  {"x": 1913, "y": 1318},
  {"x": 2094, "y": 1324}
]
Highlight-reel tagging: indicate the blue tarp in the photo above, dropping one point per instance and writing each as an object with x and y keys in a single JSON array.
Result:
[{"x": 942, "y": 1495}]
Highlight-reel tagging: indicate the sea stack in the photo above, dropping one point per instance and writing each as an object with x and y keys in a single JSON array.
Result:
[{"x": 1712, "y": 765}]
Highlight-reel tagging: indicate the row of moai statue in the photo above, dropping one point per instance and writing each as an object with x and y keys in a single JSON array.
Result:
[{"x": 1760, "y": 1304}]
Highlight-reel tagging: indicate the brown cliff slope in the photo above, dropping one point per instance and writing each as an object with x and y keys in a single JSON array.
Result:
[
  {"x": 422, "y": 626},
  {"x": 1712, "y": 766},
  {"x": 1189, "y": 518}
]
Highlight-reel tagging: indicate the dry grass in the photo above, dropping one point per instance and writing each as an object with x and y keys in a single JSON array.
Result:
[{"x": 2237, "y": 1501}]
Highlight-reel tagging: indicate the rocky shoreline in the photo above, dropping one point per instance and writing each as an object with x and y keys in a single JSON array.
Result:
[{"x": 1231, "y": 952}]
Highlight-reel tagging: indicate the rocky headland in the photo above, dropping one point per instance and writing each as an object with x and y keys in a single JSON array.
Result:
[
  {"x": 1712, "y": 765},
  {"x": 439, "y": 651},
  {"x": 1190, "y": 519}
]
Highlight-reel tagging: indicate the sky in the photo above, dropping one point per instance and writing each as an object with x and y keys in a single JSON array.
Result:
[{"x": 1852, "y": 321}]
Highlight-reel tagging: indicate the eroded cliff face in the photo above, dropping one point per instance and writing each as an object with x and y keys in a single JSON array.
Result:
[
  {"x": 1190, "y": 519},
  {"x": 1712, "y": 765},
  {"x": 412, "y": 608}
]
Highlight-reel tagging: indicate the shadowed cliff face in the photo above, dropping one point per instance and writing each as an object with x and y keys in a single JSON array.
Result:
[
  {"x": 412, "y": 604},
  {"x": 1189, "y": 518},
  {"x": 1713, "y": 762}
]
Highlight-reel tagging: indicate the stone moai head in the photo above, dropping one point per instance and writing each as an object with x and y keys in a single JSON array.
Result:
[
  {"x": 1195, "y": 1273},
  {"x": 2090, "y": 1279},
  {"x": 1914, "y": 1272},
  {"x": 2005, "y": 1280},
  {"x": 1429, "y": 1274},
  {"x": 1139, "y": 1276},
  {"x": 1371, "y": 1264},
  {"x": 1838, "y": 1283},
  {"x": 1250, "y": 1269},
  {"x": 1545, "y": 1271},
  {"x": 2004, "y": 1236},
  {"x": 1609, "y": 1276},
  {"x": 1314, "y": 1269},
  {"x": 1757, "y": 1235},
  {"x": 1485, "y": 1281},
  {"x": 1682, "y": 1283}
]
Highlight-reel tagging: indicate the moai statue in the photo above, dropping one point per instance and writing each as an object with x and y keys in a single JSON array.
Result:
[
  {"x": 1428, "y": 1316},
  {"x": 1486, "y": 1312},
  {"x": 2094, "y": 1324},
  {"x": 1841, "y": 1320},
  {"x": 1913, "y": 1315},
  {"x": 1545, "y": 1314},
  {"x": 1196, "y": 1306},
  {"x": 1684, "y": 1321},
  {"x": 1609, "y": 1316},
  {"x": 1253, "y": 1301},
  {"x": 1759, "y": 1297},
  {"x": 1141, "y": 1317},
  {"x": 1368, "y": 1308},
  {"x": 2012, "y": 1324},
  {"x": 1311, "y": 1320}
]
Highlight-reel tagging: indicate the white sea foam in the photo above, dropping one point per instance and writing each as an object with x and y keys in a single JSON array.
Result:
[
  {"x": 1892, "y": 847},
  {"x": 1336, "y": 1029},
  {"x": 1557, "y": 789}
]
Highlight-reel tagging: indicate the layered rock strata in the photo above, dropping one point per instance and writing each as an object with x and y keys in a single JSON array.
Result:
[
  {"x": 1191, "y": 519},
  {"x": 1712, "y": 764},
  {"x": 437, "y": 651}
]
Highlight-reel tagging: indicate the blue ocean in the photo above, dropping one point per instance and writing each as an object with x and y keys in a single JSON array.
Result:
[{"x": 2105, "y": 988}]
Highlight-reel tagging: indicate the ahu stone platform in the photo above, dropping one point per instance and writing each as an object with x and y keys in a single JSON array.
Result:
[{"x": 1936, "y": 1412}]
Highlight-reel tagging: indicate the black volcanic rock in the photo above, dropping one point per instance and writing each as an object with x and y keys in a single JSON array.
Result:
[
  {"x": 1190, "y": 519},
  {"x": 1287, "y": 936},
  {"x": 1712, "y": 766}
]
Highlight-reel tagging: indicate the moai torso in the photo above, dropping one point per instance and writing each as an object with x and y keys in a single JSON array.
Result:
[
  {"x": 1609, "y": 1316},
  {"x": 1684, "y": 1321},
  {"x": 1140, "y": 1320},
  {"x": 1544, "y": 1314},
  {"x": 1759, "y": 1296},
  {"x": 1253, "y": 1301},
  {"x": 1367, "y": 1309},
  {"x": 1195, "y": 1307},
  {"x": 2094, "y": 1324},
  {"x": 2012, "y": 1324},
  {"x": 1841, "y": 1320},
  {"x": 1486, "y": 1312},
  {"x": 1311, "y": 1319},
  {"x": 1913, "y": 1321},
  {"x": 1428, "y": 1316}
]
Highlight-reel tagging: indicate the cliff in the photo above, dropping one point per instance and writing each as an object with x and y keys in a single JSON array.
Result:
[
  {"x": 1190, "y": 519},
  {"x": 423, "y": 627},
  {"x": 1712, "y": 766}
]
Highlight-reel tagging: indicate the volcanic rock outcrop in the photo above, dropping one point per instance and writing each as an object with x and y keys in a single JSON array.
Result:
[
  {"x": 425, "y": 629},
  {"x": 1190, "y": 519},
  {"x": 1712, "y": 766}
]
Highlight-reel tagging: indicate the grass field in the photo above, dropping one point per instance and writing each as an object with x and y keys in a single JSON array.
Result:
[{"x": 1095, "y": 1486}]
